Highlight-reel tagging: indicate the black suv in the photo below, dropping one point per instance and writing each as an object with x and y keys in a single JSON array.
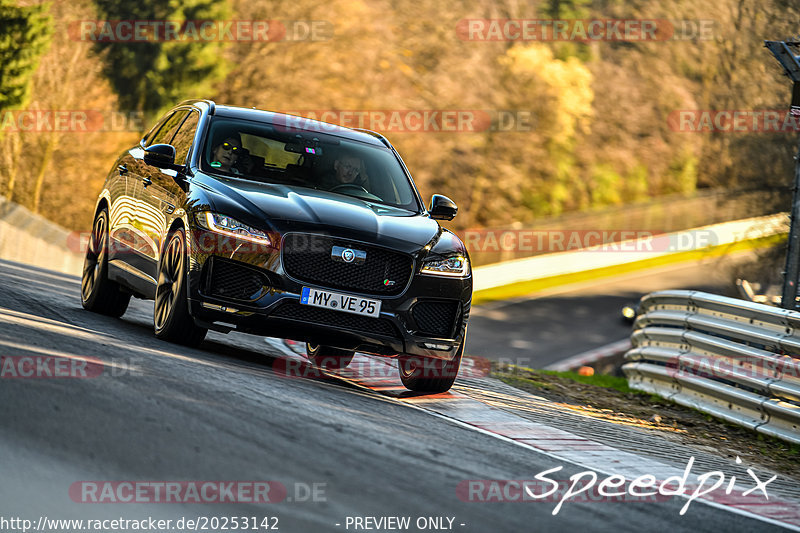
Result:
[{"x": 271, "y": 224}]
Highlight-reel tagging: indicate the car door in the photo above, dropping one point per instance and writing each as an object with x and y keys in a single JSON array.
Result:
[
  {"x": 166, "y": 192},
  {"x": 150, "y": 216},
  {"x": 123, "y": 210}
]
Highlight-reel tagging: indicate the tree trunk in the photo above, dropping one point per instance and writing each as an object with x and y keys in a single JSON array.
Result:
[{"x": 49, "y": 148}]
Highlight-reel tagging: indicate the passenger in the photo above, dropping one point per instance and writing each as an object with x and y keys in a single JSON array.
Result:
[
  {"x": 245, "y": 164},
  {"x": 225, "y": 155}
]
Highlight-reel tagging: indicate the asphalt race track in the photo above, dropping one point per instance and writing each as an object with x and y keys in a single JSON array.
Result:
[{"x": 230, "y": 411}]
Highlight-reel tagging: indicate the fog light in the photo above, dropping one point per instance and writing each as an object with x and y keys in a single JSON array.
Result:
[
  {"x": 431, "y": 346},
  {"x": 223, "y": 308}
]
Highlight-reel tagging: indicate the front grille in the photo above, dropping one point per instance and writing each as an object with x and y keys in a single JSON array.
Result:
[
  {"x": 337, "y": 319},
  {"x": 308, "y": 258},
  {"x": 226, "y": 279},
  {"x": 435, "y": 318}
]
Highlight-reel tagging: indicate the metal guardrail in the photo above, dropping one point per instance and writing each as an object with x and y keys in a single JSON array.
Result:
[{"x": 734, "y": 359}]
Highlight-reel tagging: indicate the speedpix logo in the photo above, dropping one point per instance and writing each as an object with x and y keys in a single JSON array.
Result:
[{"x": 588, "y": 486}]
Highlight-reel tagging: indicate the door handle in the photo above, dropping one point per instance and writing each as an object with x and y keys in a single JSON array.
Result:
[
  {"x": 147, "y": 181},
  {"x": 122, "y": 169}
]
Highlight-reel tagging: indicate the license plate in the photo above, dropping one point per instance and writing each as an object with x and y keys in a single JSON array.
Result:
[{"x": 340, "y": 302}]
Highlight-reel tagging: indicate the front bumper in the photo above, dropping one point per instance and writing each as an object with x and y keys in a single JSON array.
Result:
[{"x": 275, "y": 311}]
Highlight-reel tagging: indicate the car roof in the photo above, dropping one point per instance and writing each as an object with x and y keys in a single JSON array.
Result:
[{"x": 298, "y": 123}]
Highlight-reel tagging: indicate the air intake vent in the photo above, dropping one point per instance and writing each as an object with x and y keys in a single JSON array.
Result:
[
  {"x": 228, "y": 279},
  {"x": 435, "y": 318}
]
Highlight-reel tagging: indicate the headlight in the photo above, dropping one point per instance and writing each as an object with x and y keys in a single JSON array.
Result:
[
  {"x": 457, "y": 267},
  {"x": 232, "y": 227}
]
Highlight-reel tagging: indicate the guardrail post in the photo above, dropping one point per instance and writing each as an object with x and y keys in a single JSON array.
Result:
[
  {"x": 785, "y": 53},
  {"x": 791, "y": 273}
]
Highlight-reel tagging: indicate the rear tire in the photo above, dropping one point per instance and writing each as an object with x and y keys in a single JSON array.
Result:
[
  {"x": 423, "y": 374},
  {"x": 171, "y": 319},
  {"x": 328, "y": 357},
  {"x": 98, "y": 293}
]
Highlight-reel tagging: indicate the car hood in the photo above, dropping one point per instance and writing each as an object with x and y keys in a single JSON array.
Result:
[{"x": 284, "y": 208}]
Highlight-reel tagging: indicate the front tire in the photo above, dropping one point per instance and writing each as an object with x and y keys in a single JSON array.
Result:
[
  {"x": 422, "y": 374},
  {"x": 98, "y": 293},
  {"x": 171, "y": 319},
  {"x": 328, "y": 357}
]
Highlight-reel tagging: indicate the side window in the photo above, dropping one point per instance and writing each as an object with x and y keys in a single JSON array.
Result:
[
  {"x": 148, "y": 139},
  {"x": 164, "y": 135},
  {"x": 183, "y": 139}
]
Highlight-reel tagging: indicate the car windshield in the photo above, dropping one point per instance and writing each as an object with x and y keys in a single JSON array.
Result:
[{"x": 265, "y": 153}]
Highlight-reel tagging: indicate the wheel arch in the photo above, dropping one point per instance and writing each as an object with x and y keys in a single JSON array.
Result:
[
  {"x": 103, "y": 202},
  {"x": 178, "y": 222}
]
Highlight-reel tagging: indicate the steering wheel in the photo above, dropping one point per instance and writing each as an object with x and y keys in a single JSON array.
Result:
[{"x": 350, "y": 186}]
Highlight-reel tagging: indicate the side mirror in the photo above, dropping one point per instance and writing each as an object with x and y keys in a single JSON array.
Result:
[
  {"x": 442, "y": 208},
  {"x": 161, "y": 156}
]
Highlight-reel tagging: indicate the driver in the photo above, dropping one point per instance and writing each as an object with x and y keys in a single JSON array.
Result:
[{"x": 348, "y": 169}]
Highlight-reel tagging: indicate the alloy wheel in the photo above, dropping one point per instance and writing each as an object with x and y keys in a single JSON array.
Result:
[
  {"x": 95, "y": 253},
  {"x": 169, "y": 278}
]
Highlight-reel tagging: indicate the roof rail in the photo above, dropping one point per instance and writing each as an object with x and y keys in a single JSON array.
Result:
[
  {"x": 375, "y": 134},
  {"x": 210, "y": 103}
]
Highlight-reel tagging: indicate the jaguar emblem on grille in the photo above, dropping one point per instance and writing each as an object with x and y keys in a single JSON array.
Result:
[{"x": 348, "y": 255}]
